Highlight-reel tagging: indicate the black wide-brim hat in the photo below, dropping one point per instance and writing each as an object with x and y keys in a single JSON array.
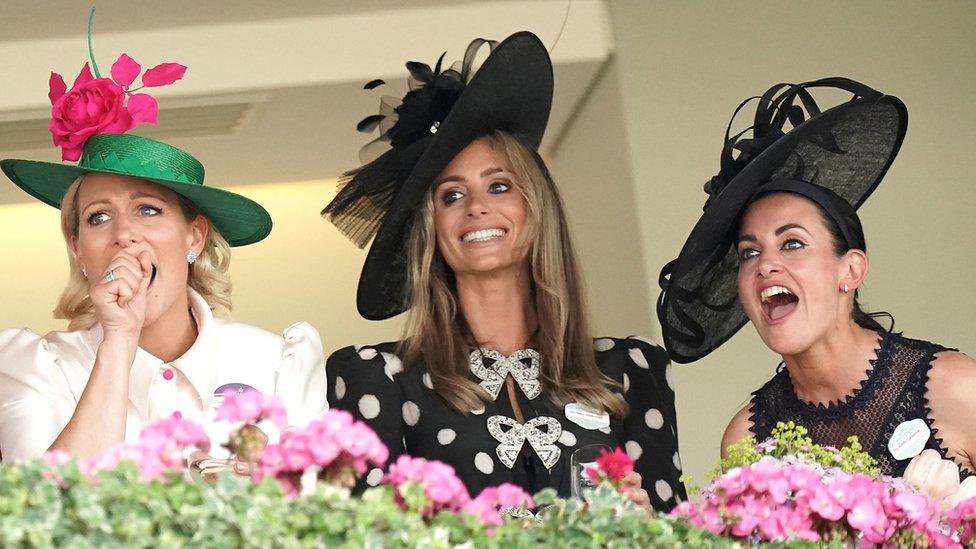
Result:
[
  {"x": 441, "y": 115},
  {"x": 846, "y": 149}
]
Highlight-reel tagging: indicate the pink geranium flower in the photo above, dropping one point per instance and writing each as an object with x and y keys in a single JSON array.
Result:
[
  {"x": 443, "y": 489},
  {"x": 336, "y": 445},
  {"x": 252, "y": 407},
  {"x": 495, "y": 501},
  {"x": 783, "y": 499}
]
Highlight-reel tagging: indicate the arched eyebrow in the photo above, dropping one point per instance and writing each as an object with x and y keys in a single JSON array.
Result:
[
  {"x": 459, "y": 178},
  {"x": 779, "y": 231}
]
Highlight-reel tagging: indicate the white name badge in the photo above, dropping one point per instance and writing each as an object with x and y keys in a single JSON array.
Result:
[
  {"x": 909, "y": 439},
  {"x": 587, "y": 417}
]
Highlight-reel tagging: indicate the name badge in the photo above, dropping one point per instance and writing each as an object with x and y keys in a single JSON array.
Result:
[
  {"x": 909, "y": 439},
  {"x": 587, "y": 417},
  {"x": 227, "y": 389}
]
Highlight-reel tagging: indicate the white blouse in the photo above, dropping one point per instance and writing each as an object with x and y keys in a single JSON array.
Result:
[{"x": 42, "y": 378}]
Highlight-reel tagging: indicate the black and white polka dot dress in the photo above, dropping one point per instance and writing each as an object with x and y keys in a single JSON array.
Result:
[{"x": 489, "y": 446}]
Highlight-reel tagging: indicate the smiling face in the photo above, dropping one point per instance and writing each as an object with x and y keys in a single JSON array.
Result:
[
  {"x": 479, "y": 212},
  {"x": 118, "y": 213},
  {"x": 790, "y": 275}
]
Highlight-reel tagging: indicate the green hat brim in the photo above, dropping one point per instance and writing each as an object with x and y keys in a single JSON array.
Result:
[{"x": 240, "y": 220}]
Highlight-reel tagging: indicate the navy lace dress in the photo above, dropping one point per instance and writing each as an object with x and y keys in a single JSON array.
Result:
[
  {"x": 410, "y": 417},
  {"x": 892, "y": 393}
]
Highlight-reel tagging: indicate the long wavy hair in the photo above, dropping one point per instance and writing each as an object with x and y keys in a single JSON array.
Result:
[
  {"x": 208, "y": 275},
  {"x": 436, "y": 333}
]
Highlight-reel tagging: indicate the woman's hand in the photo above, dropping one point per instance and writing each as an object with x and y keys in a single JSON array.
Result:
[
  {"x": 937, "y": 477},
  {"x": 630, "y": 486},
  {"x": 119, "y": 294}
]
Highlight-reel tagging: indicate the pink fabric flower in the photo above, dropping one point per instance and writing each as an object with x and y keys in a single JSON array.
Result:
[
  {"x": 91, "y": 106},
  {"x": 103, "y": 105}
]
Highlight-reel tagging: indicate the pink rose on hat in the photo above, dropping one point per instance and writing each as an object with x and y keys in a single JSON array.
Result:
[{"x": 96, "y": 105}]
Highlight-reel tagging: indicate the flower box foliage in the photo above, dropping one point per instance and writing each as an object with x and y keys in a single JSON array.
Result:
[{"x": 783, "y": 492}]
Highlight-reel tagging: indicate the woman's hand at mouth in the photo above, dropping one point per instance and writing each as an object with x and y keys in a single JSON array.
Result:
[{"x": 119, "y": 294}]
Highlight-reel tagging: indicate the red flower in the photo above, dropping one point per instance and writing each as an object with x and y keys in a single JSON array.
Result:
[{"x": 611, "y": 465}]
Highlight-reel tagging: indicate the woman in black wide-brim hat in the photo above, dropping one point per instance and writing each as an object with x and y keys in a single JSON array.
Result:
[
  {"x": 497, "y": 374},
  {"x": 780, "y": 244}
]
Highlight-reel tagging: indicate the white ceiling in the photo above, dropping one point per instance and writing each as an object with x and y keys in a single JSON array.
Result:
[{"x": 301, "y": 69}]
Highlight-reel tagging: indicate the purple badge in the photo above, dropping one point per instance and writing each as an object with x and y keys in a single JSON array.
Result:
[{"x": 227, "y": 389}]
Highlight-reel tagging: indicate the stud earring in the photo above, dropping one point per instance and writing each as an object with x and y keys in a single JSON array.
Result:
[
  {"x": 84, "y": 273},
  {"x": 846, "y": 289},
  {"x": 191, "y": 257}
]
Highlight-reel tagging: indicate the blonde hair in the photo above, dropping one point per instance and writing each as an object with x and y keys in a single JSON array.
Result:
[
  {"x": 437, "y": 335},
  {"x": 208, "y": 275}
]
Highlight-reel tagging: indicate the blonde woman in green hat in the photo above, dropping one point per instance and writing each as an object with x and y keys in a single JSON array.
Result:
[{"x": 149, "y": 291}]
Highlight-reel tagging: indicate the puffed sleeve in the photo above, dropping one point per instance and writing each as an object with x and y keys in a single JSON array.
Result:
[
  {"x": 651, "y": 426},
  {"x": 35, "y": 401},
  {"x": 301, "y": 377},
  {"x": 361, "y": 381}
]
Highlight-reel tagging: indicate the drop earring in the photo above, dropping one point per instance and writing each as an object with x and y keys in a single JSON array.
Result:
[
  {"x": 191, "y": 257},
  {"x": 84, "y": 273}
]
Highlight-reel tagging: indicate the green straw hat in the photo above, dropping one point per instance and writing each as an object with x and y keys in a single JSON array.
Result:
[
  {"x": 240, "y": 220},
  {"x": 87, "y": 122}
]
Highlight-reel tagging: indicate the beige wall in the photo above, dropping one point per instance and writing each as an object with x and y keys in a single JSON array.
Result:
[
  {"x": 684, "y": 67},
  {"x": 591, "y": 165}
]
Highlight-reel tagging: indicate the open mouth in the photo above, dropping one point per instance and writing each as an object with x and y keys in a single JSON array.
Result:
[
  {"x": 778, "y": 302},
  {"x": 483, "y": 235}
]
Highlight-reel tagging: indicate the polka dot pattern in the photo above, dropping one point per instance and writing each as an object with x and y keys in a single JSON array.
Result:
[
  {"x": 446, "y": 436},
  {"x": 567, "y": 439},
  {"x": 663, "y": 490},
  {"x": 411, "y": 413},
  {"x": 603, "y": 344},
  {"x": 369, "y": 406},
  {"x": 367, "y": 353},
  {"x": 393, "y": 365},
  {"x": 374, "y": 477},
  {"x": 633, "y": 449},
  {"x": 484, "y": 463},
  {"x": 654, "y": 419},
  {"x": 638, "y": 357},
  {"x": 400, "y": 403}
]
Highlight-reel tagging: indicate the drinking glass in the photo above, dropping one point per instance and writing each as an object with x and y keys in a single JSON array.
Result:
[{"x": 582, "y": 459}]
